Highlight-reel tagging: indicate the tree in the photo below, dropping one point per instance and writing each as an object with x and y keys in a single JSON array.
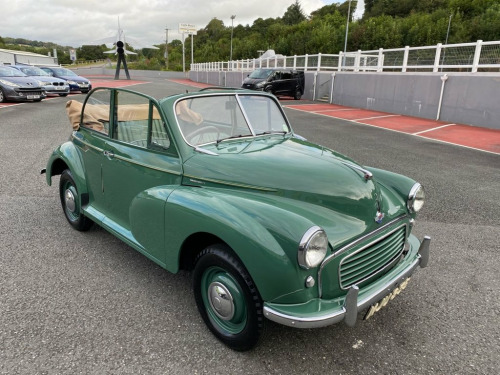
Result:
[{"x": 294, "y": 14}]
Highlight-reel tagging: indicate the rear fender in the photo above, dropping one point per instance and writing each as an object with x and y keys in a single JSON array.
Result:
[{"x": 67, "y": 156}]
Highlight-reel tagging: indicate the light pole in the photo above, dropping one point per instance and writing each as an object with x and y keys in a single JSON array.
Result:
[
  {"x": 166, "y": 47},
  {"x": 446, "y": 42},
  {"x": 346, "y": 31},
  {"x": 232, "y": 27}
]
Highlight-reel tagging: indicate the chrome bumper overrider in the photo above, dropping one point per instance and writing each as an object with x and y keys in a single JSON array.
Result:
[{"x": 352, "y": 304}]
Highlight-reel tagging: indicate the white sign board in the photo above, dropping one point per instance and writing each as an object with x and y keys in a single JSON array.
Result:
[
  {"x": 187, "y": 28},
  {"x": 72, "y": 54}
]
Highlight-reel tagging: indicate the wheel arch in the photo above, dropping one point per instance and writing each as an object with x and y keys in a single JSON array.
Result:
[{"x": 67, "y": 156}]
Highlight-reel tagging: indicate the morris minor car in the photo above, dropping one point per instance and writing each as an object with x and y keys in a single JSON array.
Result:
[{"x": 217, "y": 183}]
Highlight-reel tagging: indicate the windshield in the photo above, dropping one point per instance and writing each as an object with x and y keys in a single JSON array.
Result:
[
  {"x": 261, "y": 73},
  {"x": 63, "y": 72},
  {"x": 33, "y": 71},
  {"x": 10, "y": 72},
  {"x": 215, "y": 118}
]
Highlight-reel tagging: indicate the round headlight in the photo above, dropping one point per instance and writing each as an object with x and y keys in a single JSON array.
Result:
[
  {"x": 416, "y": 198},
  {"x": 312, "y": 248}
]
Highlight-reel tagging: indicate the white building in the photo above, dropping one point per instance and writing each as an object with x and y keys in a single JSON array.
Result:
[{"x": 11, "y": 57}]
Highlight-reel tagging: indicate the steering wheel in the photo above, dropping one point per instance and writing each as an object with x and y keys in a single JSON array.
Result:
[{"x": 201, "y": 131}]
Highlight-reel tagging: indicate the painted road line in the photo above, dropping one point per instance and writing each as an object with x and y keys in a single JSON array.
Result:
[
  {"x": 430, "y": 130},
  {"x": 376, "y": 117}
]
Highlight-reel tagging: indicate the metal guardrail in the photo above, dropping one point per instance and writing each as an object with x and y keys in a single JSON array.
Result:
[{"x": 472, "y": 57}]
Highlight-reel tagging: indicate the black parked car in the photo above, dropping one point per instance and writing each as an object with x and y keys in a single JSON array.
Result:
[
  {"x": 276, "y": 81},
  {"x": 15, "y": 85}
]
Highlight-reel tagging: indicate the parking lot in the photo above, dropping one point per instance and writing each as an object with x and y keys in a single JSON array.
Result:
[{"x": 86, "y": 303}]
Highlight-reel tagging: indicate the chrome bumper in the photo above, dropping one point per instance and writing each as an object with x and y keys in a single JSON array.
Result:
[{"x": 352, "y": 304}]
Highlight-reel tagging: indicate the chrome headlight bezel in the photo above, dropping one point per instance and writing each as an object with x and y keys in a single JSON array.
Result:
[
  {"x": 416, "y": 198},
  {"x": 312, "y": 248}
]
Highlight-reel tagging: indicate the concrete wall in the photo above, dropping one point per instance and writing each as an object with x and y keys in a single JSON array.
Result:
[{"x": 468, "y": 98}]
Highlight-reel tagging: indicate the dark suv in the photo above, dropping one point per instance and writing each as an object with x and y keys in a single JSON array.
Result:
[{"x": 276, "y": 81}]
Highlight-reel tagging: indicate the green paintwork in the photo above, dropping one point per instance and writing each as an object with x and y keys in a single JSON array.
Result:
[{"x": 258, "y": 195}]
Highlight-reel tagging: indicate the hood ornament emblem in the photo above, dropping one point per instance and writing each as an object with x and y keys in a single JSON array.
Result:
[{"x": 379, "y": 217}]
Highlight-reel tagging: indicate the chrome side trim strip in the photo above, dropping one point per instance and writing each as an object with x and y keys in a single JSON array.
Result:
[
  {"x": 177, "y": 173},
  {"x": 351, "y": 245},
  {"x": 230, "y": 183}
]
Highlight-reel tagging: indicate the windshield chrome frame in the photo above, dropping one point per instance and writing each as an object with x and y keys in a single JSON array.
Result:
[{"x": 245, "y": 116}]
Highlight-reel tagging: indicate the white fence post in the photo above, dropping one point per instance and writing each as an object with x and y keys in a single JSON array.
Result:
[
  {"x": 319, "y": 63},
  {"x": 294, "y": 62},
  {"x": 380, "y": 62},
  {"x": 341, "y": 57},
  {"x": 437, "y": 58},
  {"x": 306, "y": 62},
  {"x": 357, "y": 61},
  {"x": 477, "y": 55},
  {"x": 405, "y": 58}
]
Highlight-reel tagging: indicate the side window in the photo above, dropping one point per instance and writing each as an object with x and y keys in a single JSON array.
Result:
[
  {"x": 95, "y": 113},
  {"x": 133, "y": 116},
  {"x": 159, "y": 135},
  {"x": 286, "y": 75}
]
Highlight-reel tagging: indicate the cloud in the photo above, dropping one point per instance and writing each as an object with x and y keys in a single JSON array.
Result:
[{"x": 72, "y": 23}]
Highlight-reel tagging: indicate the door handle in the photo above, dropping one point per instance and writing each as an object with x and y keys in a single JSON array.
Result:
[{"x": 108, "y": 154}]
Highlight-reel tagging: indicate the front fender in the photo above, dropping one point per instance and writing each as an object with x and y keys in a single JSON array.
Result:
[
  {"x": 67, "y": 156},
  {"x": 258, "y": 228}
]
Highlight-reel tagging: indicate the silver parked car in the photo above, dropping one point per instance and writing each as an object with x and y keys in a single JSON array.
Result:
[
  {"x": 15, "y": 85},
  {"x": 50, "y": 85}
]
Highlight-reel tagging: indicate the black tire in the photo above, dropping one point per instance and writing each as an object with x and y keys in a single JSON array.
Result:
[
  {"x": 227, "y": 298},
  {"x": 70, "y": 201},
  {"x": 269, "y": 90},
  {"x": 298, "y": 94},
  {"x": 2, "y": 96},
  {"x": 84, "y": 91}
]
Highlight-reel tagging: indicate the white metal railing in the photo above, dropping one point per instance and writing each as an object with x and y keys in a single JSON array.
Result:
[{"x": 448, "y": 57}]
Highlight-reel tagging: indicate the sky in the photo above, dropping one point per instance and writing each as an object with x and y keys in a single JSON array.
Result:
[{"x": 77, "y": 22}]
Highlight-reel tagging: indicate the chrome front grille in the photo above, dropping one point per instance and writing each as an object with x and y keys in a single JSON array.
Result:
[{"x": 372, "y": 258}]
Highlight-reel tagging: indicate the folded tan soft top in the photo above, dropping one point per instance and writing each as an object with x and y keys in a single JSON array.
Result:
[{"x": 97, "y": 114}]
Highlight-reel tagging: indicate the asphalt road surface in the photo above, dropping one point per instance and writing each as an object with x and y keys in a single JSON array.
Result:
[{"x": 85, "y": 303}]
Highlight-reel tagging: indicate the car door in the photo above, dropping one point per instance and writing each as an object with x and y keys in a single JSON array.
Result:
[
  {"x": 92, "y": 138},
  {"x": 143, "y": 169}
]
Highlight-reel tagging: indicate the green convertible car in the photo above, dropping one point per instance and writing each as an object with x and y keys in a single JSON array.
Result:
[{"x": 218, "y": 183}]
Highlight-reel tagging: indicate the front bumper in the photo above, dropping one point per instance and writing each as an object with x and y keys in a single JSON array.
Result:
[
  {"x": 321, "y": 313},
  {"x": 23, "y": 94}
]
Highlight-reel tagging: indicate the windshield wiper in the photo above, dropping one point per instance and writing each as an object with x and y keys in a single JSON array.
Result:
[
  {"x": 230, "y": 137},
  {"x": 273, "y": 132}
]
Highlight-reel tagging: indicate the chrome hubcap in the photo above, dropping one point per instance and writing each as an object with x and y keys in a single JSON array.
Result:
[
  {"x": 69, "y": 200},
  {"x": 221, "y": 301}
]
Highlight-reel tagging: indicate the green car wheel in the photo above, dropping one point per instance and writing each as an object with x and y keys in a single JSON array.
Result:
[
  {"x": 227, "y": 298},
  {"x": 70, "y": 202}
]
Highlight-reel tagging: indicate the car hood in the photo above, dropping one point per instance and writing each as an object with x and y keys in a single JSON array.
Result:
[
  {"x": 73, "y": 78},
  {"x": 294, "y": 169},
  {"x": 22, "y": 81},
  {"x": 49, "y": 79},
  {"x": 253, "y": 81}
]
